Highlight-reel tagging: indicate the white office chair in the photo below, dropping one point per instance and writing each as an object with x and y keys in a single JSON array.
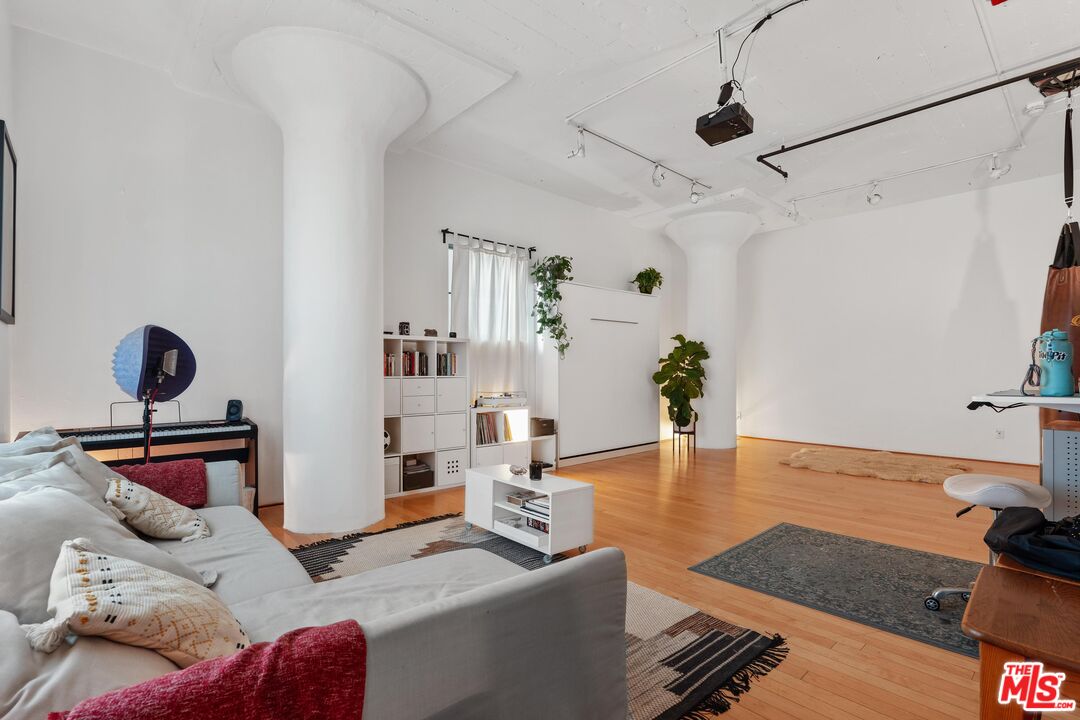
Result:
[{"x": 997, "y": 493}]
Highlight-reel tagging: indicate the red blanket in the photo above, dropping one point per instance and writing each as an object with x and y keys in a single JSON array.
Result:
[
  {"x": 315, "y": 673},
  {"x": 182, "y": 481}
]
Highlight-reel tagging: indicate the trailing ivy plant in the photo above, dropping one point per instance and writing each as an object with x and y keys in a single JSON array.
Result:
[
  {"x": 547, "y": 273},
  {"x": 681, "y": 378},
  {"x": 648, "y": 279}
]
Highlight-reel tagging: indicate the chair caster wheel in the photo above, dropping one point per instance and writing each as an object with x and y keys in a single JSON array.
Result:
[
  {"x": 965, "y": 596},
  {"x": 932, "y": 603},
  {"x": 547, "y": 559},
  {"x": 581, "y": 548}
]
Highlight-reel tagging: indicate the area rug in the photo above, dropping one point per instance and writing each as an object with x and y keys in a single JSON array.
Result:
[
  {"x": 872, "y": 583},
  {"x": 681, "y": 662},
  {"x": 872, "y": 463}
]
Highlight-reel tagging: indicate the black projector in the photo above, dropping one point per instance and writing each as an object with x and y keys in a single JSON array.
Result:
[{"x": 729, "y": 122}]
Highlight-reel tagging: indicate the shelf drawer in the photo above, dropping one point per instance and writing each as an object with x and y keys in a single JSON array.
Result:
[
  {"x": 417, "y": 386},
  {"x": 417, "y": 405},
  {"x": 392, "y": 475},
  {"x": 451, "y": 395},
  {"x": 451, "y": 466},
  {"x": 418, "y": 434},
  {"x": 450, "y": 431},
  {"x": 391, "y": 396}
]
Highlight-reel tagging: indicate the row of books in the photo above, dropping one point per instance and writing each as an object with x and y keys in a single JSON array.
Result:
[
  {"x": 414, "y": 362},
  {"x": 486, "y": 430}
]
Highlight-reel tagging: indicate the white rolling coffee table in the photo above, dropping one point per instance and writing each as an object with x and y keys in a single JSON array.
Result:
[{"x": 570, "y": 524}]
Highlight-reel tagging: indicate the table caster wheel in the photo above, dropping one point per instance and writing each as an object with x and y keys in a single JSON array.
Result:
[
  {"x": 468, "y": 526},
  {"x": 965, "y": 596},
  {"x": 932, "y": 603},
  {"x": 547, "y": 559},
  {"x": 581, "y": 548}
]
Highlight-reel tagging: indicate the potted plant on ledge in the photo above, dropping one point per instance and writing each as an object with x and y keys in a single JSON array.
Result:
[
  {"x": 648, "y": 279},
  {"x": 681, "y": 378}
]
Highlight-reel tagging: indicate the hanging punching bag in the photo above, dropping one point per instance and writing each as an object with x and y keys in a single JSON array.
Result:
[{"x": 1061, "y": 303}]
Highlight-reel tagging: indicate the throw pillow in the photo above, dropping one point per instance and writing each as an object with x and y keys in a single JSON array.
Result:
[
  {"x": 182, "y": 481},
  {"x": 153, "y": 514},
  {"x": 55, "y": 472},
  {"x": 94, "y": 593},
  {"x": 33, "y": 525},
  {"x": 44, "y": 440}
]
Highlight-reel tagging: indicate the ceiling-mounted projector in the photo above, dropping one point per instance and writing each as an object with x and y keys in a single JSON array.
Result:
[{"x": 724, "y": 124}]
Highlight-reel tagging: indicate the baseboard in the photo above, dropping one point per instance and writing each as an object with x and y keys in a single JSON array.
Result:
[{"x": 608, "y": 454}]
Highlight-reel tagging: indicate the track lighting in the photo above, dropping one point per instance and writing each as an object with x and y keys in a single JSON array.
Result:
[
  {"x": 658, "y": 175},
  {"x": 695, "y": 196},
  {"x": 998, "y": 171},
  {"x": 873, "y": 197},
  {"x": 579, "y": 151}
]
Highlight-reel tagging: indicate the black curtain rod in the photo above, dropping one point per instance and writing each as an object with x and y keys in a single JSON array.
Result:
[
  {"x": 447, "y": 232},
  {"x": 764, "y": 159}
]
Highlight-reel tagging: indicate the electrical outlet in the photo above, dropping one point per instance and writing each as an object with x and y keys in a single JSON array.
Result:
[{"x": 999, "y": 434}]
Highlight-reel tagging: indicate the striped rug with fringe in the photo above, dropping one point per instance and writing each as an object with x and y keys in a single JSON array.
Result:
[{"x": 681, "y": 662}]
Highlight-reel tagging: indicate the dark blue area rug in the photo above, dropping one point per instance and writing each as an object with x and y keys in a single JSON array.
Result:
[{"x": 872, "y": 583}]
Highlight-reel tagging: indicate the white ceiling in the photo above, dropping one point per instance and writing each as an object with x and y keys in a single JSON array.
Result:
[{"x": 821, "y": 65}]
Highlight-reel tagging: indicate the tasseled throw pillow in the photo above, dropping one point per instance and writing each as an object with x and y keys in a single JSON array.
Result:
[
  {"x": 153, "y": 514},
  {"x": 96, "y": 594}
]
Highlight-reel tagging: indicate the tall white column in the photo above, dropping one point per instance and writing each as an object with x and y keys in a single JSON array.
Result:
[
  {"x": 711, "y": 241},
  {"x": 339, "y": 104}
]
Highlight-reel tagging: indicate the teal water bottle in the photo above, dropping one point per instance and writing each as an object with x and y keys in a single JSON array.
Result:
[{"x": 1055, "y": 364}]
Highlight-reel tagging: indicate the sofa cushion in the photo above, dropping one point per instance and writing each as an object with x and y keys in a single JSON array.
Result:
[
  {"x": 33, "y": 526},
  {"x": 55, "y": 472},
  {"x": 93, "y": 593},
  {"x": 43, "y": 440},
  {"x": 247, "y": 559},
  {"x": 375, "y": 593},
  {"x": 154, "y": 514},
  {"x": 32, "y": 683}
]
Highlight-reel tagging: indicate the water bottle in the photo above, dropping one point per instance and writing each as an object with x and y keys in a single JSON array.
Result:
[{"x": 1055, "y": 364}]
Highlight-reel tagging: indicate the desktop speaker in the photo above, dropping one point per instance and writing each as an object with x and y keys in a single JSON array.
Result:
[{"x": 234, "y": 411}]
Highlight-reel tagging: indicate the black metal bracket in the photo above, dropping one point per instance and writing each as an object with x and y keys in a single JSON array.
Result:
[{"x": 1048, "y": 77}]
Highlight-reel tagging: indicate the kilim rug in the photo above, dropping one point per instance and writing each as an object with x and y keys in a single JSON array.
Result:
[
  {"x": 681, "y": 662},
  {"x": 872, "y": 583},
  {"x": 874, "y": 463}
]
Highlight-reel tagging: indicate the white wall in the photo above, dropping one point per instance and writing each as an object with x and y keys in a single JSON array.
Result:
[
  {"x": 140, "y": 204},
  {"x": 7, "y": 105},
  {"x": 874, "y": 330}
]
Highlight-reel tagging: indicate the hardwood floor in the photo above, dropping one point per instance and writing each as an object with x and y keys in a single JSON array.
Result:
[{"x": 668, "y": 513}]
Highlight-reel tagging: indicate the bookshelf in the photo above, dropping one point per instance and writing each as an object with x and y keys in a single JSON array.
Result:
[
  {"x": 425, "y": 412},
  {"x": 500, "y": 436}
]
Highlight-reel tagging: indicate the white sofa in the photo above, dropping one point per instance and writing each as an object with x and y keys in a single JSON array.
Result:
[{"x": 464, "y": 634}]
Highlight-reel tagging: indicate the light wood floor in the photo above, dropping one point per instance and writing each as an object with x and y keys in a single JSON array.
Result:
[{"x": 667, "y": 514}]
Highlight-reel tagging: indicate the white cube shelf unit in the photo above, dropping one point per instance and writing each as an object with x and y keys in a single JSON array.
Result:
[
  {"x": 426, "y": 411},
  {"x": 506, "y": 440}
]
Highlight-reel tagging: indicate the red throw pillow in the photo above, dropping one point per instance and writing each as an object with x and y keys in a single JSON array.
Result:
[
  {"x": 182, "y": 481},
  {"x": 316, "y": 673}
]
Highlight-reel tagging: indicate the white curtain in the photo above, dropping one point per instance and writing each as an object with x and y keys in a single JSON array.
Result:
[{"x": 491, "y": 305}]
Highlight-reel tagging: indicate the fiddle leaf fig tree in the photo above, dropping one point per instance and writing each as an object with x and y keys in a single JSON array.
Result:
[
  {"x": 681, "y": 378},
  {"x": 547, "y": 274}
]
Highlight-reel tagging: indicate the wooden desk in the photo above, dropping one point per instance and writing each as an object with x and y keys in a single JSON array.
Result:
[{"x": 1019, "y": 614}]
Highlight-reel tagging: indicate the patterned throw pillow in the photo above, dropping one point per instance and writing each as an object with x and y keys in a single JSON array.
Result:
[
  {"x": 134, "y": 604},
  {"x": 153, "y": 514}
]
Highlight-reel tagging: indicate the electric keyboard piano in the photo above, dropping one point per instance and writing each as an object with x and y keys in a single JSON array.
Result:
[{"x": 211, "y": 440}]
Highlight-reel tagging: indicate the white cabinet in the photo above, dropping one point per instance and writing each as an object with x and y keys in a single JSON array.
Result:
[
  {"x": 417, "y": 433},
  {"x": 391, "y": 396},
  {"x": 451, "y": 466},
  {"x": 417, "y": 386},
  {"x": 450, "y": 431},
  {"x": 417, "y": 405},
  {"x": 516, "y": 454},
  {"x": 488, "y": 456},
  {"x": 451, "y": 395},
  {"x": 392, "y": 475}
]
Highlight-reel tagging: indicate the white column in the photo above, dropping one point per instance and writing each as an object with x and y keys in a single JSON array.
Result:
[
  {"x": 339, "y": 104},
  {"x": 711, "y": 241}
]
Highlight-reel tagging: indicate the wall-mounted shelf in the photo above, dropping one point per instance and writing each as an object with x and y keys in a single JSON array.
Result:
[{"x": 1013, "y": 397}]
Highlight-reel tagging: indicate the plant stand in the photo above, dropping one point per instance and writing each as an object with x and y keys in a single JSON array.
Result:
[{"x": 678, "y": 433}]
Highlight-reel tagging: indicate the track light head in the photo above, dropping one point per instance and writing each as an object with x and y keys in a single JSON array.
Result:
[
  {"x": 873, "y": 197},
  {"x": 658, "y": 175},
  {"x": 578, "y": 151},
  {"x": 998, "y": 171},
  {"x": 695, "y": 195}
]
